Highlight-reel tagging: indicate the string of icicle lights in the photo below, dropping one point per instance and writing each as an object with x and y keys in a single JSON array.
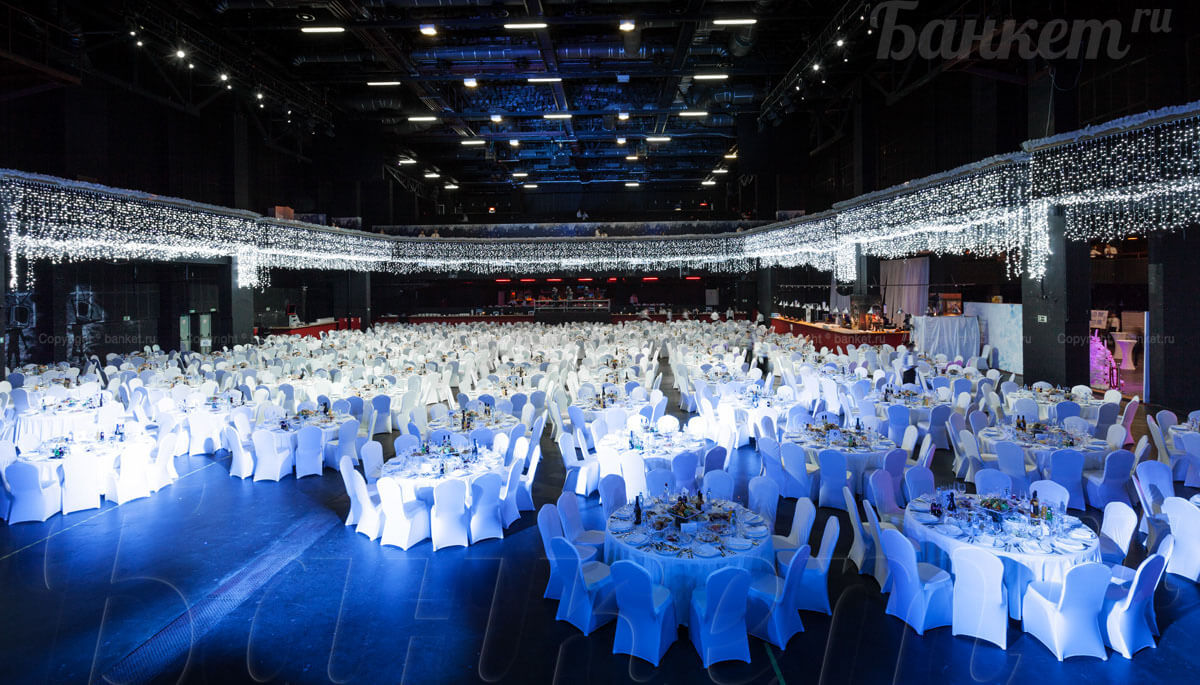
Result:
[{"x": 1126, "y": 177}]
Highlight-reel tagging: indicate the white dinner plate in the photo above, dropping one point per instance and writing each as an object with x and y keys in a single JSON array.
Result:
[
  {"x": 950, "y": 529},
  {"x": 756, "y": 531},
  {"x": 637, "y": 539},
  {"x": 706, "y": 551},
  {"x": 618, "y": 526},
  {"x": 737, "y": 543},
  {"x": 1082, "y": 533},
  {"x": 924, "y": 518},
  {"x": 918, "y": 506}
]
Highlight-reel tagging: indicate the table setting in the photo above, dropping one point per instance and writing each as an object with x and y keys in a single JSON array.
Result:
[
  {"x": 687, "y": 538},
  {"x": 1040, "y": 440},
  {"x": 457, "y": 422},
  {"x": 1089, "y": 407},
  {"x": 1034, "y": 541},
  {"x": 420, "y": 472},
  {"x": 654, "y": 448},
  {"x": 862, "y": 447}
]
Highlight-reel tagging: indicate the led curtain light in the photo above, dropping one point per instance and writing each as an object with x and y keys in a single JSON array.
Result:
[{"x": 1128, "y": 176}]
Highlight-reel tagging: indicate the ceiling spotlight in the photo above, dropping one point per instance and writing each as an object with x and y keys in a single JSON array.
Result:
[
  {"x": 840, "y": 42},
  {"x": 133, "y": 33},
  {"x": 224, "y": 77},
  {"x": 451, "y": 186},
  {"x": 627, "y": 25},
  {"x": 473, "y": 141},
  {"x": 496, "y": 118},
  {"x": 622, "y": 115},
  {"x": 322, "y": 29},
  {"x": 432, "y": 174},
  {"x": 631, "y": 158},
  {"x": 693, "y": 113},
  {"x": 544, "y": 79},
  {"x": 382, "y": 83},
  {"x": 514, "y": 143},
  {"x": 406, "y": 160},
  {"x": 261, "y": 105},
  {"x": 470, "y": 82},
  {"x": 524, "y": 26},
  {"x": 731, "y": 155},
  {"x": 708, "y": 183},
  {"x": 558, "y": 115},
  {"x": 191, "y": 65},
  {"x": 711, "y": 77},
  {"x": 632, "y": 184},
  {"x": 658, "y": 139},
  {"x": 428, "y": 30},
  {"x": 720, "y": 171},
  {"x": 258, "y": 95},
  {"x": 422, "y": 118},
  {"x": 140, "y": 43},
  {"x": 519, "y": 174},
  {"x": 180, "y": 54},
  {"x": 228, "y": 86},
  {"x": 621, "y": 140},
  {"x": 735, "y": 22},
  {"x": 530, "y": 186},
  {"x": 816, "y": 66}
]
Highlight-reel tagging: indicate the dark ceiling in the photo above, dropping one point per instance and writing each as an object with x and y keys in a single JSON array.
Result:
[{"x": 640, "y": 109}]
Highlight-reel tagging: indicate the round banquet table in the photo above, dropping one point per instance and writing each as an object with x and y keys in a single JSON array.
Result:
[
  {"x": 1038, "y": 451},
  {"x": 1023, "y": 564},
  {"x": 658, "y": 449},
  {"x": 1089, "y": 408},
  {"x": 592, "y": 409},
  {"x": 105, "y": 453},
  {"x": 858, "y": 459},
  {"x": 290, "y": 438},
  {"x": 498, "y": 422},
  {"x": 419, "y": 474},
  {"x": 36, "y": 427},
  {"x": 681, "y": 568},
  {"x": 918, "y": 407}
]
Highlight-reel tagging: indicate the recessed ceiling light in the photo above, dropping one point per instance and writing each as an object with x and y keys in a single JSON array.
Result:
[
  {"x": 720, "y": 171},
  {"x": 432, "y": 174},
  {"x": 816, "y": 66},
  {"x": 558, "y": 115},
  {"x": 708, "y": 183},
  {"x": 627, "y": 25},
  {"x": 735, "y": 22},
  {"x": 496, "y": 118},
  {"x": 519, "y": 174},
  {"x": 622, "y": 115},
  {"x": 470, "y": 82},
  {"x": 514, "y": 142},
  {"x": 258, "y": 95},
  {"x": 473, "y": 141},
  {"x": 731, "y": 155},
  {"x": 191, "y": 65},
  {"x": 631, "y": 158},
  {"x": 544, "y": 79},
  {"x": 711, "y": 77},
  {"x": 621, "y": 140},
  {"x": 383, "y": 83},
  {"x": 422, "y": 118},
  {"x": 180, "y": 54},
  {"x": 530, "y": 185},
  {"x": 840, "y": 42},
  {"x": 140, "y": 43},
  {"x": 224, "y": 77},
  {"x": 693, "y": 113},
  {"x": 451, "y": 186},
  {"x": 428, "y": 30},
  {"x": 322, "y": 29},
  {"x": 658, "y": 139},
  {"x": 525, "y": 26},
  {"x": 632, "y": 184},
  {"x": 406, "y": 160}
]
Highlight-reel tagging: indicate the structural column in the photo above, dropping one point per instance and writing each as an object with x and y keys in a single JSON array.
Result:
[
  {"x": 237, "y": 306},
  {"x": 1174, "y": 328},
  {"x": 766, "y": 293},
  {"x": 1055, "y": 312},
  {"x": 358, "y": 296}
]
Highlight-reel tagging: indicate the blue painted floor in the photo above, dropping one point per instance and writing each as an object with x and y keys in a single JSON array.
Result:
[{"x": 217, "y": 580}]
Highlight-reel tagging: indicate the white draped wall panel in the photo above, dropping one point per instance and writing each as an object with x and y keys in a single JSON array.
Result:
[{"x": 904, "y": 284}]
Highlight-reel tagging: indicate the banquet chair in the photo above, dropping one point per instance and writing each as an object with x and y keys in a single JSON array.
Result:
[
  {"x": 485, "y": 509},
  {"x": 633, "y": 470},
  {"x": 1065, "y": 616},
  {"x": 1188, "y": 463},
  {"x": 992, "y": 482},
  {"x": 1106, "y": 418},
  {"x": 481, "y": 436},
  {"x": 272, "y": 461},
  {"x": 80, "y": 484},
  {"x": 550, "y": 527},
  {"x": 346, "y": 444},
  {"x": 1115, "y": 437},
  {"x": 977, "y": 420},
  {"x": 1026, "y": 408},
  {"x": 717, "y": 624},
  {"x": 684, "y": 466},
  {"x": 1175, "y": 458},
  {"x": 588, "y": 598},
  {"x": 381, "y": 421},
  {"x": 510, "y": 509},
  {"x": 370, "y": 516},
  {"x": 372, "y": 461},
  {"x": 1050, "y": 493},
  {"x": 346, "y": 468},
  {"x": 1110, "y": 483},
  {"x": 918, "y": 481},
  {"x": 1184, "y": 518},
  {"x": 525, "y": 493},
  {"x": 718, "y": 485},
  {"x": 764, "y": 498},
  {"x": 980, "y": 601},
  {"x": 309, "y": 451},
  {"x": 1126, "y": 620},
  {"x": 612, "y": 494},
  {"x": 714, "y": 459},
  {"x": 834, "y": 477},
  {"x": 802, "y": 523},
  {"x": 1010, "y": 459},
  {"x": 773, "y": 603},
  {"x": 405, "y": 521},
  {"x": 880, "y": 570},
  {"x": 646, "y": 624},
  {"x": 405, "y": 444},
  {"x": 241, "y": 463},
  {"x": 162, "y": 468},
  {"x": 572, "y": 522},
  {"x": 860, "y": 547},
  {"x": 1066, "y": 469},
  {"x": 1116, "y": 531},
  {"x": 667, "y": 424},
  {"x": 33, "y": 499},
  {"x": 1076, "y": 426},
  {"x": 880, "y": 493},
  {"x": 935, "y": 425},
  {"x": 1065, "y": 410},
  {"x": 975, "y": 461},
  {"x": 582, "y": 474},
  {"x": 203, "y": 434},
  {"x": 449, "y": 519},
  {"x": 659, "y": 482},
  {"x": 921, "y": 594}
]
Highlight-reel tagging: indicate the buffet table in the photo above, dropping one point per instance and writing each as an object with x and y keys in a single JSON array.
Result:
[
  {"x": 831, "y": 336},
  {"x": 949, "y": 335}
]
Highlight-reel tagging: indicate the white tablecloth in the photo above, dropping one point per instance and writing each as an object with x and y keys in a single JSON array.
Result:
[
  {"x": 36, "y": 427},
  {"x": 858, "y": 459},
  {"x": 682, "y": 573},
  {"x": 421, "y": 473},
  {"x": 1020, "y": 568},
  {"x": 498, "y": 423},
  {"x": 948, "y": 335},
  {"x": 658, "y": 449},
  {"x": 1093, "y": 451},
  {"x": 1089, "y": 408}
]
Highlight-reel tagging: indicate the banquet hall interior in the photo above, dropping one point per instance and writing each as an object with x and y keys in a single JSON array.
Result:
[{"x": 599, "y": 341}]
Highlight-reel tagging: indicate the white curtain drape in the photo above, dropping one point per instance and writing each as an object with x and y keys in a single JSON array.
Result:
[
  {"x": 838, "y": 302},
  {"x": 904, "y": 284}
]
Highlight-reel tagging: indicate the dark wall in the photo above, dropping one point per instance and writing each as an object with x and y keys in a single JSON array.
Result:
[{"x": 1174, "y": 333}]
